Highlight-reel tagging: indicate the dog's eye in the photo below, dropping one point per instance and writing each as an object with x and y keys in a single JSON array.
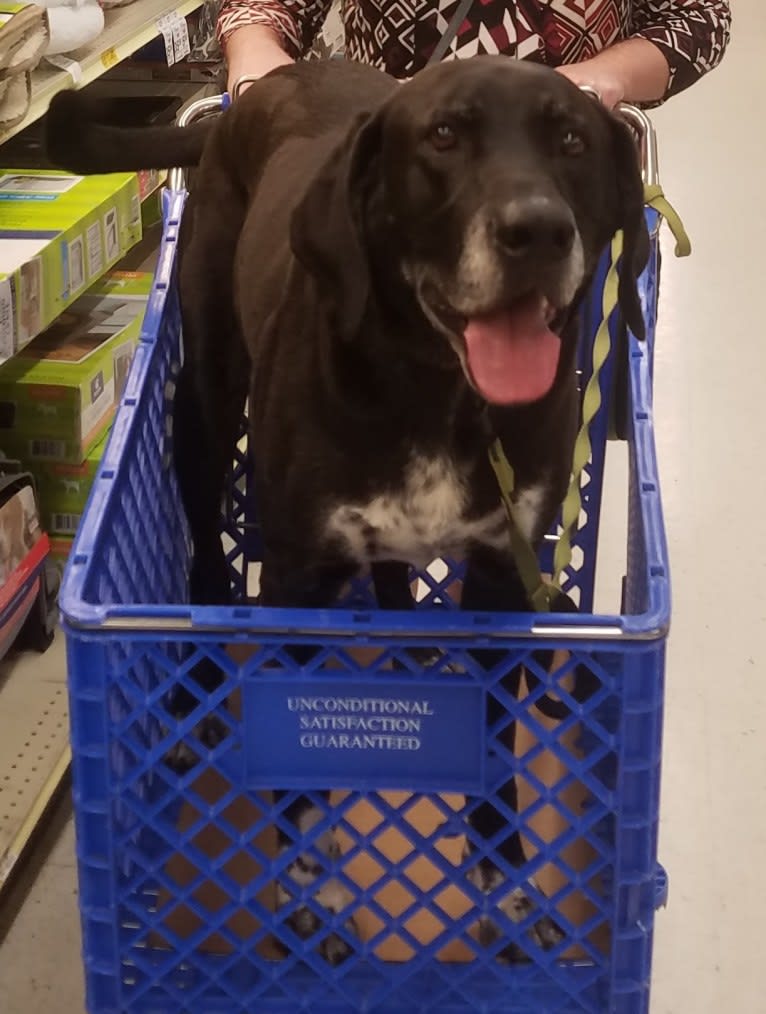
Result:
[
  {"x": 572, "y": 143},
  {"x": 442, "y": 137}
]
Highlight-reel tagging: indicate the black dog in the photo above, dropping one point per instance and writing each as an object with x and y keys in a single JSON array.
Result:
[{"x": 392, "y": 275}]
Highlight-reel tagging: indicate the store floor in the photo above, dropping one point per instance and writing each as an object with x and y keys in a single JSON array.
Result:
[{"x": 711, "y": 372}]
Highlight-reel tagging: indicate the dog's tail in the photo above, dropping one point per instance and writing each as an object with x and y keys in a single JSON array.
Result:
[{"x": 77, "y": 139}]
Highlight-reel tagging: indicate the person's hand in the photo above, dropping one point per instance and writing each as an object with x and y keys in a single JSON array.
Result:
[
  {"x": 631, "y": 71},
  {"x": 252, "y": 51},
  {"x": 604, "y": 82}
]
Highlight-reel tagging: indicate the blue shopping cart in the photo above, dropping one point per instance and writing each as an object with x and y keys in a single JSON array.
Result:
[{"x": 179, "y": 872}]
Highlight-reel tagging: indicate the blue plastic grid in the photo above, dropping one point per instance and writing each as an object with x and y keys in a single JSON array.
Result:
[{"x": 176, "y": 869}]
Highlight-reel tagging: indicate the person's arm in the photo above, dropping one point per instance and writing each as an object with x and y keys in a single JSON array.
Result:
[
  {"x": 631, "y": 71},
  {"x": 253, "y": 50},
  {"x": 673, "y": 44},
  {"x": 691, "y": 34},
  {"x": 259, "y": 35}
]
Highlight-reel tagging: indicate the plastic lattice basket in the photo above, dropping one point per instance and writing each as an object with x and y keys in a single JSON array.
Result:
[{"x": 179, "y": 871}]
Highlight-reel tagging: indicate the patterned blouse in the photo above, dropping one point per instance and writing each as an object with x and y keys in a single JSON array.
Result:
[{"x": 399, "y": 35}]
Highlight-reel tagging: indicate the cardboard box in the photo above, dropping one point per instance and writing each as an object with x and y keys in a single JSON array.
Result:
[
  {"x": 149, "y": 182},
  {"x": 64, "y": 489},
  {"x": 58, "y": 396},
  {"x": 58, "y": 234},
  {"x": 151, "y": 211}
]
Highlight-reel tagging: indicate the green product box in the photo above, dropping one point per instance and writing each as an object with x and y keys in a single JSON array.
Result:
[
  {"x": 58, "y": 234},
  {"x": 58, "y": 395},
  {"x": 63, "y": 490},
  {"x": 151, "y": 210}
]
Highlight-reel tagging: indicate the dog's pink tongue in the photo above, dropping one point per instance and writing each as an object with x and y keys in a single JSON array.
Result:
[{"x": 513, "y": 355}]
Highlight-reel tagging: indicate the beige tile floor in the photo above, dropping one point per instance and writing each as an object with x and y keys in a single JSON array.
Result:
[{"x": 711, "y": 368}]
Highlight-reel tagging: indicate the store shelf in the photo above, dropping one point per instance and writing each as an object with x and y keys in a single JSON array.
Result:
[
  {"x": 127, "y": 30},
  {"x": 34, "y": 724},
  {"x": 34, "y": 745}
]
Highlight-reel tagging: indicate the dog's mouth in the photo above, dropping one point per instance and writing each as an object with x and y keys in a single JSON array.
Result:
[{"x": 510, "y": 354}]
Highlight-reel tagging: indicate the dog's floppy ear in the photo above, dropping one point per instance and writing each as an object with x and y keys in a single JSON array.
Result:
[
  {"x": 327, "y": 227},
  {"x": 632, "y": 221}
]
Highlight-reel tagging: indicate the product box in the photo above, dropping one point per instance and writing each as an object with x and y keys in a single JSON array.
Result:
[
  {"x": 149, "y": 182},
  {"x": 151, "y": 211},
  {"x": 63, "y": 490},
  {"x": 58, "y": 234},
  {"x": 58, "y": 396}
]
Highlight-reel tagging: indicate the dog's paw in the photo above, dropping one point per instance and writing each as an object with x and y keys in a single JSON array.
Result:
[
  {"x": 429, "y": 658},
  {"x": 210, "y": 732},
  {"x": 517, "y": 906},
  {"x": 331, "y": 895}
]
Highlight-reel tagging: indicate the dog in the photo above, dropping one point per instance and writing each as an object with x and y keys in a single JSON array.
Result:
[{"x": 391, "y": 274}]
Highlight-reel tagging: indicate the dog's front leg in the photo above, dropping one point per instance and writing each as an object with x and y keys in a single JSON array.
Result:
[
  {"x": 207, "y": 413},
  {"x": 492, "y": 584},
  {"x": 205, "y": 430},
  {"x": 286, "y": 584},
  {"x": 391, "y": 580}
]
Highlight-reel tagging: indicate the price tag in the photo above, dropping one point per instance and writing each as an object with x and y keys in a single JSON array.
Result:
[
  {"x": 175, "y": 33},
  {"x": 72, "y": 67},
  {"x": 181, "y": 37},
  {"x": 167, "y": 34},
  {"x": 109, "y": 58}
]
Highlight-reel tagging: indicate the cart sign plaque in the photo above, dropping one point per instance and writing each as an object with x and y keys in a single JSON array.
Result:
[{"x": 380, "y": 734}]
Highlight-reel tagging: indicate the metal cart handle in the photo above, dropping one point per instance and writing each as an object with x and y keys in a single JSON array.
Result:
[
  {"x": 633, "y": 116},
  {"x": 193, "y": 112},
  {"x": 647, "y": 136},
  {"x": 647, "y": 141}
]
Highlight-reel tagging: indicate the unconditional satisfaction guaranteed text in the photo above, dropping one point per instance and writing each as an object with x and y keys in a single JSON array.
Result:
[{"x": 360, "y": 723}]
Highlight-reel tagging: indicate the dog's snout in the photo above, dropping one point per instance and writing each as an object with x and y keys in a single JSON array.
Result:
[{"x": 535, "y": 227}]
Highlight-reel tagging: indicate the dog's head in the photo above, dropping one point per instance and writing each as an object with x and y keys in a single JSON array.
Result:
[{"x": 497, "y": 186}]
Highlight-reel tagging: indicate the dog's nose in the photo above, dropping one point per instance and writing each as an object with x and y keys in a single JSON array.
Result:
[{"x": 537, "y": 226}]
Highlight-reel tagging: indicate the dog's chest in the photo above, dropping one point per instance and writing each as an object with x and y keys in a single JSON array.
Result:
[{"x": 428, "y": 515}]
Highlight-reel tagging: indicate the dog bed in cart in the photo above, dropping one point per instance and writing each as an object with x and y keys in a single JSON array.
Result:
[{"x": 187, "y": 903}]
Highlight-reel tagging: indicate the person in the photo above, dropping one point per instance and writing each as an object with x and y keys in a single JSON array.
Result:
[{"x": 640, "y": 51}]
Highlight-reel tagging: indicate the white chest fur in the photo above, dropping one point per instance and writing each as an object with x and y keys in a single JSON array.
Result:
[{"x": 425, "y": 518}]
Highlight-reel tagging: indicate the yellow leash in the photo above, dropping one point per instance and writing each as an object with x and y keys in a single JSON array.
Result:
[{"x": 541, "y": 593}]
